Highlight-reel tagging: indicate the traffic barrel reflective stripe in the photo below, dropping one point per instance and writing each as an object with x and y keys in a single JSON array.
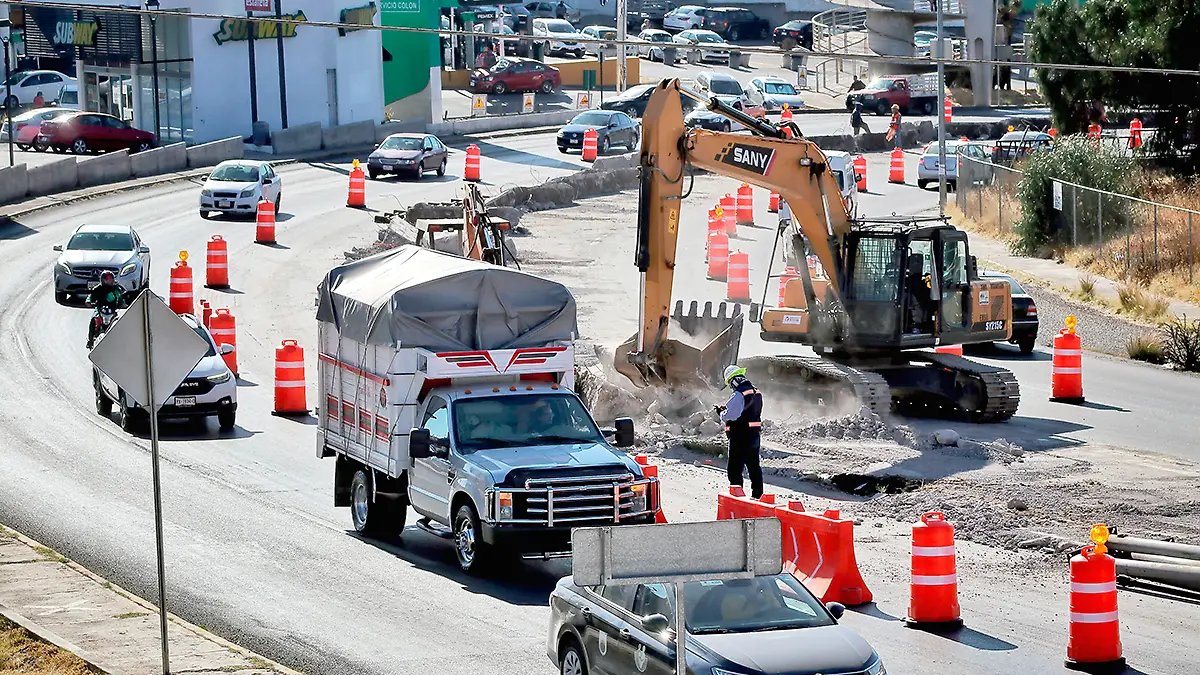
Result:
[
  {"x": 1094, "y": 632},
  {"x": 223, "y": 327},
  {"x": 289, "y": 379},
  {"x": 728, "y": 205},
  {"x": 933, "y": 582},
  {"x": 745, "y": 205},
  {"x": 737, "y": 284},
  {"x": 264, "y": 232},
  {"x": 896, "y": 170},
  {"x": 180, "y": 296},
  {"x": 216, "y": 274},
  {"x": 860, "y": 169},
  {"x": 471, "y": 170},
  {"x": 591, "y": 142},
  {"x": 1066, "y": 369},
  {"x": 357, "y": 197}
]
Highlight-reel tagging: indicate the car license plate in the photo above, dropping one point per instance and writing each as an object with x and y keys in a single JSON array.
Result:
[
  {"x": 93, "y": 284},
  {"x": 185, "y": 401},
  {"x": 574, "y": 141},
  {"x": 225, "y": 204}
]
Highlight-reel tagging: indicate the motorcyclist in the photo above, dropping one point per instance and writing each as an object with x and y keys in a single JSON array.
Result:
[{"x": 108, "y": 295}]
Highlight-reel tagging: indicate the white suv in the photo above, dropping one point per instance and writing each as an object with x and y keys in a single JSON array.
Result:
[
  {"x": 26, "y": 85},
  {"x": 683, "y": 18},
  {"x": 209, "y": 390},
  {"x": 563, "y": 37}
]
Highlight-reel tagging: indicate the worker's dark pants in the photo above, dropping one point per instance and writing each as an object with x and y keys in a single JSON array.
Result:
[{"x": 743, "y": 451}]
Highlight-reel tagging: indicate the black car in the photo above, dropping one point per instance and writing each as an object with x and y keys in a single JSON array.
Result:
[
  {"x": 1025, "y": 313},
  {"x": 736, "y": 23},
  {"x": 632, "y": 101},
  {"x": 759, "y": 626},
  {"x": 795, "y": 33},
  {"x": 612, "y": 128}
]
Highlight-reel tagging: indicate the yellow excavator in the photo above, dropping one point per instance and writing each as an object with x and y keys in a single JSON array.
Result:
[{"x": 890, "y": 290}]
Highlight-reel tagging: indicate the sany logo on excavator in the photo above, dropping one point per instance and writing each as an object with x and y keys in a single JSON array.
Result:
[{"x": 747, "y": 157}]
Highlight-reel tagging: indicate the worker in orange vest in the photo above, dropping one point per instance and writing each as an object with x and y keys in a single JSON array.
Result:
[
  {"x": 1093, "y": 133},
  {"x": 894, "y": 128},
  {"x": 1135, "y": 134}
]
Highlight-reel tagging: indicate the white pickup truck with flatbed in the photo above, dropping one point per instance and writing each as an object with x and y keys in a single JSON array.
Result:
[{"x": 446, "y": 386}]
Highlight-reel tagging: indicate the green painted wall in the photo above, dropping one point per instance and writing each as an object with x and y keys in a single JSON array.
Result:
[{"x": 412, "y": 54}]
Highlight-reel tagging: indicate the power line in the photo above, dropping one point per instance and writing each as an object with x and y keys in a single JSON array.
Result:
[{"x": 767, "y": 51}]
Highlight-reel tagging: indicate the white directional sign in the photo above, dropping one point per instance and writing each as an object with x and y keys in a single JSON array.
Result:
[
  {"x": 527, "y": 102},
  {"x": 478, "y": 105},
  {"x": 174, "y": 348},
  {"x": 1056, "y": 187}
]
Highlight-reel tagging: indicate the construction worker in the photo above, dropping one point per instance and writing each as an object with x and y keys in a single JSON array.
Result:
[
  {"x": 894, "y": 126},
  {"x": 742, "y": 415},
  {"x": 857, "y": 123},
  {"x": 1135, "y": 133},
  {"x": 1094, "y": 132}
]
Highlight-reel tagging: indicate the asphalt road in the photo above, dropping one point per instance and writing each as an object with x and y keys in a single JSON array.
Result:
[{"x": 255, "y": 550}]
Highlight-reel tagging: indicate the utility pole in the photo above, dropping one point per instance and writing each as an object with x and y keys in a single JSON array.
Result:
[
  {"x": 251, "y": 29},
  {"x": 282, "y": 75},
  {"x": 941, "y": 101},
  {"x": 8, "y": 98},
  {"x": 622, "y": 33}
]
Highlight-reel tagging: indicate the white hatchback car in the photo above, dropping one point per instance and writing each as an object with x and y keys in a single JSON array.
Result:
[
  {"x": 236, "y": 186},
  {"x": 684, "y": 17},
  {"x": 210, "y": 390},
  {"x": 27, "y": 84}
]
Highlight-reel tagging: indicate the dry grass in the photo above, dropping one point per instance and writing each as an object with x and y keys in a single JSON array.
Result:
[
  {"x": 1139, "y": 303},
  {"x": 1145, "y": 348},
  {"x": 22, "y": 653},
  {"x": 1087, "y": 287}
]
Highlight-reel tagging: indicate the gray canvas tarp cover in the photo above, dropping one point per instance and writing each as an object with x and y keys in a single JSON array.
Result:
[{"x": 415, "y": 297}]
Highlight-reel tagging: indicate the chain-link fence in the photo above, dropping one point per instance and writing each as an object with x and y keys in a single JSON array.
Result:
[{"x": 1129, "y": 237}]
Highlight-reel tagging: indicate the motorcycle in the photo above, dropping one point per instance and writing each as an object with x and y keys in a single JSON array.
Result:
[{"x": 102, "y": 320}]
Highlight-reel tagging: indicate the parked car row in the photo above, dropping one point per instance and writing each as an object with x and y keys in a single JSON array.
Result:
[{"x": 733, "y": 23}]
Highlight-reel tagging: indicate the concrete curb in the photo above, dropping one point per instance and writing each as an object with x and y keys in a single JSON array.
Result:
[
  {"x": 56, "y": 640},
  {"x": 63, "y": 644}
]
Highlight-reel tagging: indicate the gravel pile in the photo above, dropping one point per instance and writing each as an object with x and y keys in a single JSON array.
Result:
[{"x": 386, "y": 240}]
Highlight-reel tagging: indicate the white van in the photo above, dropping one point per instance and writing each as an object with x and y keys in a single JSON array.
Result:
[{"x": 841, "y": 164}]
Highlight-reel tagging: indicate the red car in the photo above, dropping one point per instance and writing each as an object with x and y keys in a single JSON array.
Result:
[
  {"x": 514, "y": 74},
  {"x": 86, "y": 132}
]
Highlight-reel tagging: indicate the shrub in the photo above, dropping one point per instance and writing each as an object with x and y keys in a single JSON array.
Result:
[
  {"x": 1087, "y": 286},
  {"x": 1145, "y": 348},
  {"x": 1076, "y": 160},
  {"x": 1136, "y": 301},
  {"x": 1181, "y": 343}
]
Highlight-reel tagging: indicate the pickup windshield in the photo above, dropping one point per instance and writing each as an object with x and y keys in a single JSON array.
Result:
[{"x": 512, "y": 421}]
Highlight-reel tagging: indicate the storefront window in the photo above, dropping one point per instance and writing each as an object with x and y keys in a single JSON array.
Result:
[{"x": 174, "y": 55}]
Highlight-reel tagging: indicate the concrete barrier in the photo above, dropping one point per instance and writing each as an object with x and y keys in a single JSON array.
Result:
[
  {"x": 54, "y": 177},
  {"x": 14, "y": 183},
  {"x": 167, "y": 159},
  {"x": 211, "y": 154},
  {"x": 478, "y": 125},
  {"x": 293, "y": 141},
  {"x": 112, "y": 167},
  {"x": 353, "y": 135}
]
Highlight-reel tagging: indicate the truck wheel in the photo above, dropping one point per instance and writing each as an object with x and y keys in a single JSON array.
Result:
[
  {"x": 226, "y": 419},
  {"x": 927, "y": 108},
  {"x": 131, "y": 418},
  {"x": 882, "y": 108},
  {"x": 468, "y": 539},
  {"x": 362, "y": 509}
]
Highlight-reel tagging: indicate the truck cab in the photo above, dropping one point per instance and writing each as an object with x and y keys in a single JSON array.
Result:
[{"x": 516, "y": 467}]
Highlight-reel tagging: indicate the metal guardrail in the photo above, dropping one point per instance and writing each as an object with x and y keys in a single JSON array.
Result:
[
  {"x": 1157, "y": 236},
  {"x": 844, "y": 31}
]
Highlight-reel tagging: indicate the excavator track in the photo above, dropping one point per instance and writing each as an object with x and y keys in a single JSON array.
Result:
[
  {"x": 818, "y": 381},
  {"x": 978, "y": 392}
]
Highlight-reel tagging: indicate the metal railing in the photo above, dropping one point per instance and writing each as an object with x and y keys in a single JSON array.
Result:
[
  {"x": 840, "y": 30},
  {"x": 1135, "y": 238}
]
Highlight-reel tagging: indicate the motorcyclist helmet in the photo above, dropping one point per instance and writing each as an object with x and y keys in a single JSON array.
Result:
[{"x": 108, "y": 278}]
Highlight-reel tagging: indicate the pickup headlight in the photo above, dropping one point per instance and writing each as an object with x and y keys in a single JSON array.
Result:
[
  {"x": 65, "y": 268},
  {"x": 206, "y": 193},
  {"x": 641, "y": 501},
  {"x": 248, "y": 192},
  {"x": 128, "y": 269},
  {"x": 504, "y": 506},
  {"x": 219, "y": 377}
]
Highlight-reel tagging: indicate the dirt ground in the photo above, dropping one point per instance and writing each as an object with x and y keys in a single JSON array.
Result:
[
  {"x": 995, "y": 491},
  {"x": 21, "y": 653}
]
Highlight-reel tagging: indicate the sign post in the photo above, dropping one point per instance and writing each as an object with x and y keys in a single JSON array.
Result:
[
  {"x": 150, "y": 375},
  {"x": 713, "y": 551}
]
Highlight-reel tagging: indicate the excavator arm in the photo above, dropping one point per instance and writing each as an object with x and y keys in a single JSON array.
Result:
[{"x": 791, "y": 166}]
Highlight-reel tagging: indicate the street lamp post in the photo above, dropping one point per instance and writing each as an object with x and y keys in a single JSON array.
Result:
[
  {"x": 941, "y": 101},
  {"x": 8, "y": 94},
  {"x": 153, "y": 4}
]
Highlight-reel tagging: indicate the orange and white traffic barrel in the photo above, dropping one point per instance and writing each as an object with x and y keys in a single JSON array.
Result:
[
  {"x": 264, "y": 231},
  {"x": 773, "y": 202},
  {"x": 1066, "y": 366},
  {"x": 1094, "y": 631},
  {"x": 223, "y": 327},
  {"x": 789, "y": 273},
  {"x": 786, "y": 115},
  {"x": 745, "y": 205},
  {"x": 737, "y": 282},
  {"x": 216, "y": 271},
  {"x": 718, "y": 255},
  {"x": 205, "y": 313},
  {"x": 591, "y": 142},
  {"x": 357, "y": 197},
  {"x": 933, "y": 603},
  {"x": 728, "y": 207},
  {"x": 289, "y": 379},
  {"x": 947, "y": 110},
  {"x": 860, "y": 170},
  {"x": 471, "y": 169},
  {"x": 896, "y": 170},
  {"x": 181, "y": 300}
]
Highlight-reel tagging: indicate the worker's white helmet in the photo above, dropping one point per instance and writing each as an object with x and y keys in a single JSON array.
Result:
[{"x": 732, "y": 372}]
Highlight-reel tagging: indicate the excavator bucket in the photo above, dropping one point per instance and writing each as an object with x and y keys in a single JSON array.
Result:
[{"x": 710, "y": 343}]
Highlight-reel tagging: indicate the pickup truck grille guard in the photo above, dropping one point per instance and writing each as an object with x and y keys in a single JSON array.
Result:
[{"x": 575, "y": 501}]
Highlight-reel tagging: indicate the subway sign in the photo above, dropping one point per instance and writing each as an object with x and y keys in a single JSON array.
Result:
[
  {"x": 234, "y": 30},
  {"x": 357, "y": 16},
  {"x": 76, "y": 33}
]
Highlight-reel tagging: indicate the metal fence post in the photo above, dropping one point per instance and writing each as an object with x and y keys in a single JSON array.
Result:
[
  {"x": 1189, "y": 247},
  {"x": 1100, "y": 220},
  {"x": 1155, "y": 236},
  {"x": 1128, "y": 249},
  {"x": 1000, "y": 205},
  {"x": 1074, "y": 216},
  {"x": 980, "y": 193}
]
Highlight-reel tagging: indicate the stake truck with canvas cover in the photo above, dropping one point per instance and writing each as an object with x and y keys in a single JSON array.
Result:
[{"x": 446, "y": 385}]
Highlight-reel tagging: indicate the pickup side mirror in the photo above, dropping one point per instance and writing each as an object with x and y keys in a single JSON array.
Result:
[
  {"x": 58, "y": 248},
  {"x": 226, "y": 348},
  {"x": 624, "y": 432},
  {"x": 837, "y": 609},
  {"x": 419, "y": 444},
  {"x": 655, "y": 623}
]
